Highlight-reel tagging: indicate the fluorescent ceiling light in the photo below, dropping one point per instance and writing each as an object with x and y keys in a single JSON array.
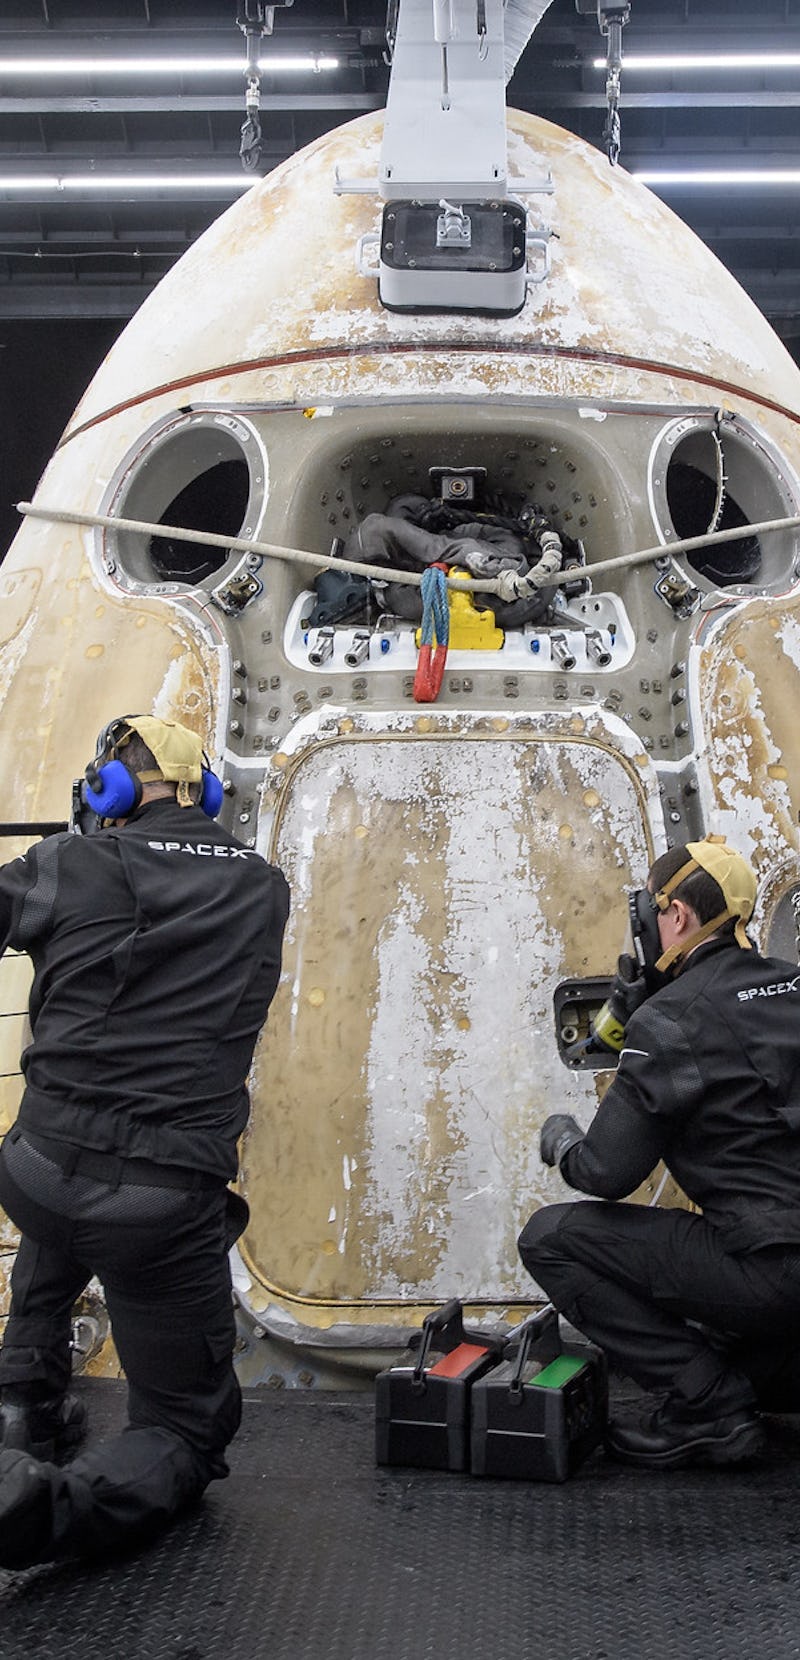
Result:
[
  {"x": 183, "y": 182},
  {"x": 158, "y": 66},
  {"x": 718, "y": 175},
  {"x": 707, "y": 60}
]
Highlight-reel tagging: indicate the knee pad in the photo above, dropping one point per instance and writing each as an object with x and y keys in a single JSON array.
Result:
[{"x": 538, "y": 1228}]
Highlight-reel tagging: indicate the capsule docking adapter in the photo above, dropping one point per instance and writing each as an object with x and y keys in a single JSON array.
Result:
[
  {"x": 443, "y": 257},
  {"x": 451, "y": 238}
]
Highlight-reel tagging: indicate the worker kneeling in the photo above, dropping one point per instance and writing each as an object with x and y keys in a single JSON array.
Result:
[
  {"x": 705, "y": 1308},
  {"x": 156, "y": 944}
]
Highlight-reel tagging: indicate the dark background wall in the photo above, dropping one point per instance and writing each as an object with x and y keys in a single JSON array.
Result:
[{"x": 45, "y": 367}]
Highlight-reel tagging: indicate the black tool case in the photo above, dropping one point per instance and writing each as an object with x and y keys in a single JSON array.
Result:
[
  {"x": 422, "y": 1405},
  {"x": 540, "y": 1413}
]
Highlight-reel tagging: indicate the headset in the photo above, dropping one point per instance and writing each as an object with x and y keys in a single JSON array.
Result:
[
  {"x": 112, "y": 790},
  {"x": 643, "y": 911}
]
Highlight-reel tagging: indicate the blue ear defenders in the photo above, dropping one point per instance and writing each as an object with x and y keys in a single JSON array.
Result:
[
  {"x": 113, "y": 791},
  {"x": 211, "y": 793}
]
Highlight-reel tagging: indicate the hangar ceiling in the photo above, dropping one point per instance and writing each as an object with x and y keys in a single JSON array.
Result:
[{"x": 99, "y": 172}]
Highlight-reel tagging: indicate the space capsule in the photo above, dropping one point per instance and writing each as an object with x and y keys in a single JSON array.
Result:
[{"x": 459, "y": 865}]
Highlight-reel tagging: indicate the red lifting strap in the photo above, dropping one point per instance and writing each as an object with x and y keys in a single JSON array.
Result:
[{"x": 435, "y": 618}]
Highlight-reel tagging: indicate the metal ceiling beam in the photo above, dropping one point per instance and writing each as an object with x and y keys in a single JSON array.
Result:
[
  {"x": 776, "y": 294},
  {"x": 656, "y": 32},
  {"x": 47, "y": 103},
  {"x": 119, "y": 240},
  {"x": 662, "y": 36},
  {"x": 714, "y": 152},
  {"x": 767, "y": 235},
  {"x": 759, "y": 98},
  {"x": 92, "y": 39},
  {"x": 69, "y": 300}
]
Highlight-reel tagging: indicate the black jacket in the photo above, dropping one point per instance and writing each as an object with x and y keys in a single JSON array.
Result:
[
  {"x": 709, "y": 1081},
  {"x": 156, "y": 948}
]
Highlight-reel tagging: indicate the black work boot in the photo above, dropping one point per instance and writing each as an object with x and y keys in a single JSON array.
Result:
[
  {"x": 45, "y": 1429},
  {"x": 669, "y": 1442},
  {"x": 26, "y": 1511}
]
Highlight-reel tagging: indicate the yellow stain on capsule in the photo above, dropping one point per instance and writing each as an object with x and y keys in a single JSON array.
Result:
[
  {"x": 316, "y": 997},
  {"x": 424, "y": 724},
  {"x": 280, "y": 760},
  {"x": 95, "y": 651},
  {"x": 500, "y": 723},
  {"x": 566, "y": 832},
  {"x": 776, "y": 771},
  {"x": 360, "y": 832},
  {"x": 328, "y": 1247},
  {"x": 591, "y": 798}
]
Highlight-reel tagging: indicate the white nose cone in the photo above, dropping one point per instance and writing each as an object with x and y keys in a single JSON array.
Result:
[{"x": 272, "y": 289}]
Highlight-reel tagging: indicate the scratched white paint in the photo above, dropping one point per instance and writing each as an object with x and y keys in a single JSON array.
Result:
[
  {"x": 460, "y": 1065},
  {"x": 788, "y": 635},
  {"x": 731, "y": 765},
  {"x": 12, "y": 654},
  {"x": 485, "y": 1077}
]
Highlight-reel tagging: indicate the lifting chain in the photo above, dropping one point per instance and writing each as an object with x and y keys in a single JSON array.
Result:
[
  {"x": 255, "y": 21},
  {"x": 612, "y": 19}
]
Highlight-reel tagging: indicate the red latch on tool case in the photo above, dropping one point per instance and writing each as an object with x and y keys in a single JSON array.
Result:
[{"x": 422, "y": 1404}]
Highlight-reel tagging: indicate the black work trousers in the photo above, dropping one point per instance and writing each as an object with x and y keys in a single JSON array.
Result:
[
  {"x": 161, "y": 1254},
  {"x": 671, "y": 1308}
]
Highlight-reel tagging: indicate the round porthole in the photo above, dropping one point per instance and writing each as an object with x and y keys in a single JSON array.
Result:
[
  {"x": 708, "y": 475},
  {"x": 196, "y": 472}
]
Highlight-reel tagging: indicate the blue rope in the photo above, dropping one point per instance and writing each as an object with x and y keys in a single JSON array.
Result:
[{"x": 435, "y": 609}]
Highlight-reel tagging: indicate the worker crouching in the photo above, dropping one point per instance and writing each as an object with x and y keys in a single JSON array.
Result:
[{"x": 702, "y": 1308}]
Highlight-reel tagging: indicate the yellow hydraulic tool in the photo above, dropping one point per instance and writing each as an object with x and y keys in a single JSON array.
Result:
[{"x": 470, "y": 629}]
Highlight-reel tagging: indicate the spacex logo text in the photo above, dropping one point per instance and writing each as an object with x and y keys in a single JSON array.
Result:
[
  {"x": 203, "y": 850},
  {"x": 777, "y": 989}
]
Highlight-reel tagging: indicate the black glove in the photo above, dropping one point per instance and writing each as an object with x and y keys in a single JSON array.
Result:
[
  {"x": 630, "y": 984},
  {"x": 559, "y": 1132},
  {"x": 628, "y": 992}
]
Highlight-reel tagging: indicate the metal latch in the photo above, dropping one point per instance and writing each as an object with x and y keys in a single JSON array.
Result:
[{"x": 242, "y": 587}]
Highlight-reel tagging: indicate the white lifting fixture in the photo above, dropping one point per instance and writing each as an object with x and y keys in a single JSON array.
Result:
[{"x": 453, "y": 237}]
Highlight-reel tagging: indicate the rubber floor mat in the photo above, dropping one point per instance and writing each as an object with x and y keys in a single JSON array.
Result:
[{"x": 310, "y": 1552}]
